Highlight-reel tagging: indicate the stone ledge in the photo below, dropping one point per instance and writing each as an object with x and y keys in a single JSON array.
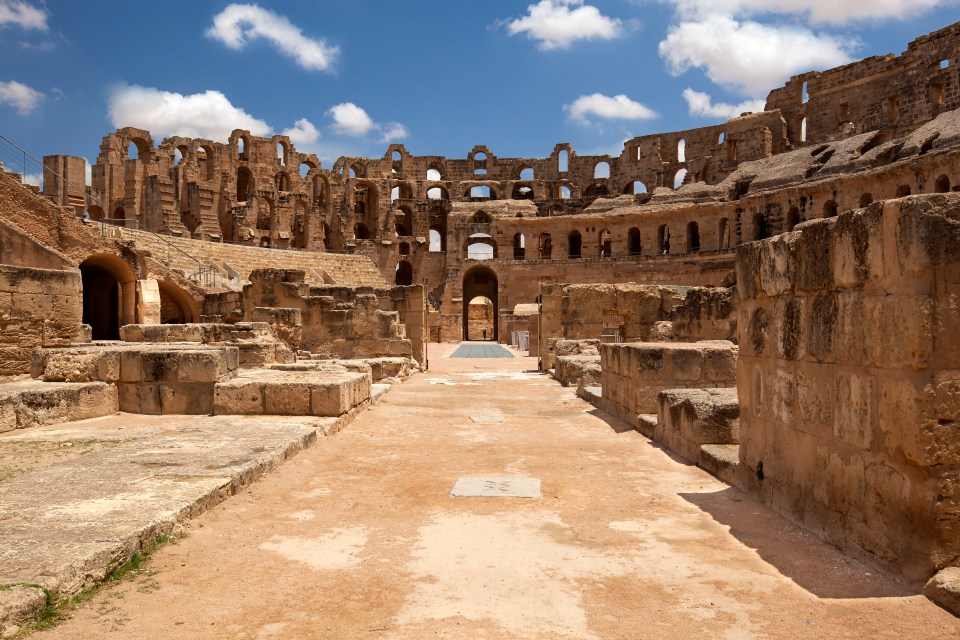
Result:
[
  {"x": 30, "y": 403},
  {"x": 291, "y": 393}
]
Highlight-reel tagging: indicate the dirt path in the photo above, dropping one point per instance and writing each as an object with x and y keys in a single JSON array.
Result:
[{"x": 358, "y": 538}]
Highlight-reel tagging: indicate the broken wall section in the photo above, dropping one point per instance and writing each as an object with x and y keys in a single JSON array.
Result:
[
  {"x": 849, "y": 379},
  {"x": 343, "y": 322}
]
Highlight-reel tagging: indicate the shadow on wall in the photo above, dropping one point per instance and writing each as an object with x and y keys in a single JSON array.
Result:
[{"x": 810, "y": 562}]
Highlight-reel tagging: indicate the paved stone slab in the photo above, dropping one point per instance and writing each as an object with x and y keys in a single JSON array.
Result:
[
  {"x": 66, "y": 526},
  {"x": 481, "y": 351},
  {"x": 496, "y": 487}
]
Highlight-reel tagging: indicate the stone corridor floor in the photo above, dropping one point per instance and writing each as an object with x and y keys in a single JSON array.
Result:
[{"x": 358, "y": 537}]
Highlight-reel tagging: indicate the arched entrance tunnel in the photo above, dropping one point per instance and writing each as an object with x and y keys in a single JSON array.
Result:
[
  {"x": 480, "y": 282},
  {"x": 109, "y": 295}
]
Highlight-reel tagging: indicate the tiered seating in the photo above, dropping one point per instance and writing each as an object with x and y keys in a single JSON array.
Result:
[{"x": 340, "y": 269}]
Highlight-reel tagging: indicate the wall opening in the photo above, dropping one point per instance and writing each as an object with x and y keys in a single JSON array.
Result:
[
  {"x": 404, "y": 275},
  {"x": 633, "y": 241},
  {"x": 830, "y": 209},
  {"x": 793, "y": 218},
  {"x": 245, "y": 187},
  {"x": 723, "y": 234},
  {"x": 108, "y": 295},
  {"x": 480, "y": 286},
  {"x": 903, "y": 191},
  {"x": 693, "y": 237},
  {"x": 865, "y": 200},
  {"x": 605, "y": 240},
  {"x": 574, "y": 244},
  {"x": 679, "y": 178},
  {"x": 663, "y": 239},
  {"x": 526, "y": 174},
  {"x": 546, "y": 246},
  {"x": 519, "y": 246},
  {"x": 436, "y": 242},
  {"x": 601, "y": 171},
  {"x": 682, "y": 150},
  {"x": 942, "y": 185},
  {"x": 563, "y": 159},
  {"x": 760, "y": 230}
]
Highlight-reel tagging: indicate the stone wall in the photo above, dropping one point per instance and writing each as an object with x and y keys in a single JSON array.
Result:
[
  {"x": 634, "y": 374},
  {"x": 40, "y": 307},
  {"x": 849, "y": 379},
  {"x": 338, "y": 322}
]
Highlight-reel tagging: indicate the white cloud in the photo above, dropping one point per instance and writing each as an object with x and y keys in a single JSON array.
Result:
[
  {"x": 701, "y": 105},
  {"x": 393, "y": 132},
  {"x": 22, "y": 14},
  {"x": 753, "y": 56},
  {"x": 556, "y": 24},
  {"x": 239, "y": 23},
  {"x": 609, "y": 108},
  {"x": 351, "y": 120},
  {"x": 302, "y": 132},
  {"x": 20, "y": 96},
  {"x": 165, "y": 113},
  {"x": 36, "y": 179},
  {"x": 815, "y": 11}
]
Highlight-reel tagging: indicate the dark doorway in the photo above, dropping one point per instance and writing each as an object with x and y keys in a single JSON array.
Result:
[
  {"x": 101, "y": 302},
  {"x": 480, "y": 282},
  {"x": 404, "y": 275}
]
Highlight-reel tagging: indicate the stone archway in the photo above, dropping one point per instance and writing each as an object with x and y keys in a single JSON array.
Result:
[
  {"x": 480, "y": 282},
  {"x": 109, "y": 295}
]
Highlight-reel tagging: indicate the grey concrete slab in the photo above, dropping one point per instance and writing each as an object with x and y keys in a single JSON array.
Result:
[
  {"x": 481, "y": 351},
  {"x": 496, "y": 487}
]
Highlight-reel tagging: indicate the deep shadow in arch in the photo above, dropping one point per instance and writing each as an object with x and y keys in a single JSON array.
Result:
[
  {"x": 109, "y": 295},
  {"x": 480, "y": 281}
]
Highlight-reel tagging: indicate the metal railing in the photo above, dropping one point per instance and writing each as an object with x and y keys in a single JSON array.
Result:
[{"x": 13, "y": 153}]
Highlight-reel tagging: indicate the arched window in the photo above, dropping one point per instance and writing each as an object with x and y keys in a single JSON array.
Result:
[
  {"x": 693, "y": 237},
  {"x": 635, "y": 187},
  {"x": 865, "y": 200},
  {"x": 242, "y": 148},
  {"x": 563, "y": 159},
  {"x": 830, "y": 209},
  {"x": 245, "y": 185},
  {"x": 942, "y": 185},
  {"x": 602, "y": 170},
  {"x": 633, "y": 241},
  {"x": 282, "y": 181},
  {"x": 606, "y": 244},
  {"x": 793, "y": 218},
  {"x": 436, "y": 242},
  {"x": 433, "y": 174},
  {"x": 565, "y": 193},
  {"x": 682, "y": 150},
  {"x": 575, "y": 244},
  {"x": 480, "y": 164},
  {"x": 546, "y": 246},
  {"x": 803, "y": 130},
  {"x": 360, "y": 231},
  {"x": 526, "y": 174},
  {"x": 519, "y": 246},
  {"x": 678, "y": 178},
  {"x": 723, "y": 234},
  {"x": 281, "y": 153},
  {"x": 404, "y": 275},
  {"x": 663, "y": 239},
  {"x": 480, "y": 217},
  {"x": 760, "y": 230},
  {"x": 903, "y": 191}
]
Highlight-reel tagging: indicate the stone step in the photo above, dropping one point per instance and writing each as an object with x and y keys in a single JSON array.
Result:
[
  {"x": 153, "y": 379},
  {"x": 721, "y": 460},
  {"x": 30, "y": 403},
  {"x": 327, "y": 393}
]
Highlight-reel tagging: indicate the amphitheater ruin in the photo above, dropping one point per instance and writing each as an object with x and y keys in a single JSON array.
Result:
[{"x": 772, "y": 299}]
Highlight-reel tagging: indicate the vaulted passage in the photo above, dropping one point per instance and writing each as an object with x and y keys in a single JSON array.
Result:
[{"x": 480, "y": 288}]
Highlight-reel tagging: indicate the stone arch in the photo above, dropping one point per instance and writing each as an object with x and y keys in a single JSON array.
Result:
[
  {"x": 633, "y": 242},
  {"x": 830, "y": 209},
  {"x": 574, "y": 245},
  {"x": 793, "y": 218},
  {"x": 942, "y": 184},
  {"x": 109, "y": 295},
  {"x": 176, "y": 305},
  {"x": 246, "y": 186},
  {"x": 404, "y": 274},
  {"x": 663, "y": 239},
  {"x": 693, "y": 237},
  {"x": 480, "y": 281}
]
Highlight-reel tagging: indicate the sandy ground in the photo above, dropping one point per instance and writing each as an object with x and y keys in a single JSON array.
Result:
[{"x": 358, "y": 537}]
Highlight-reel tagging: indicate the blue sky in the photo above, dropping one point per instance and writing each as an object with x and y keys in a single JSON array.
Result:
[{"x": 439, "y": 76}]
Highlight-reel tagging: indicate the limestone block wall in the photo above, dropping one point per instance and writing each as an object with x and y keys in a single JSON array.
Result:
[
  {"x": 337, "y": 321},
  {"x": 40, "y": 307},
  {"x": 849, "y": 378},
  {"x": 579, "y": 312},
  {"x": 634, "y": 374}
]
